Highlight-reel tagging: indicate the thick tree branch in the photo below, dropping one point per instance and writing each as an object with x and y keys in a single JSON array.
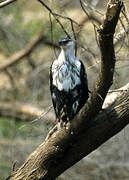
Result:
[
  {"x": 105, "y": 79},
  {"x": 64, "y": 149},
  {"x": 108, "y": 122}
]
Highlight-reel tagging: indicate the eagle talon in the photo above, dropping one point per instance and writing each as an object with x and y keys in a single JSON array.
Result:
[
  {"x": 59, "y": 125},
  {"x": 62, "y": 124}
]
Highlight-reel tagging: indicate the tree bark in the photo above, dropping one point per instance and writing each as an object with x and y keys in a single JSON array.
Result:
[
  {"x": 92, "y": 126},
  {"x": 108, "y": 122}
]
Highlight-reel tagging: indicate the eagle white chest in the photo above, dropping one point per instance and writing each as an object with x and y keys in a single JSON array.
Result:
[{"x": 66, "y": 73}]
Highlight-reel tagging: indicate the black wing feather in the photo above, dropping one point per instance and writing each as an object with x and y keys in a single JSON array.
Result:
[
  {"x": 82, "y": 89},
  {"x": 52, "y": 90}
]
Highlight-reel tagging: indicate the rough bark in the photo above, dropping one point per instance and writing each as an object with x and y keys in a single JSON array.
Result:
[
  {"x": 64, "y": 149},
  {"x": 108, "y": 122}
]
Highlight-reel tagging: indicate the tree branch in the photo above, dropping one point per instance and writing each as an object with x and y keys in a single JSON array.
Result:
[
  {"x": 5, "y": 3},
  {"x": 122, "y": 34},
  {"x": 55, "y": 15},
  {"x": 64, "y": 149},
  {"x": 108, "y": 122},
  {"x": 25, "y": 112},
  {"x": 25, "y": 52}
]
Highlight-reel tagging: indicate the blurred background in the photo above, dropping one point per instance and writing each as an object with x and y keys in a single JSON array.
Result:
[{"x": 29, "y": 37}]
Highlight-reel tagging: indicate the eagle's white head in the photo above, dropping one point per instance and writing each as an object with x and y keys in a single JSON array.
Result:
[{"x": 67, "y": 45}]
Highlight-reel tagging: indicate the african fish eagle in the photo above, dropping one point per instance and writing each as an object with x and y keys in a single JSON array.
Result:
[{"x": 68, "y": 83}]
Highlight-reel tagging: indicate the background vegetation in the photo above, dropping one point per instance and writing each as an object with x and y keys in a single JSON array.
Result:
[{"x": 27, "y": 80}]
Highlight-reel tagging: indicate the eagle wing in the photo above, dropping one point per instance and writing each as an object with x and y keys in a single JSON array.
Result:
[
  {"x": 57, "y": 100},
  {"x": 52, "y": 90},
  {"x": 84, "y": 80},
  {"x": 81, "y": 91}
]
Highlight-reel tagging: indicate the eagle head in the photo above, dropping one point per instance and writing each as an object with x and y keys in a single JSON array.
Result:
[{"x": 66, "y": 43}]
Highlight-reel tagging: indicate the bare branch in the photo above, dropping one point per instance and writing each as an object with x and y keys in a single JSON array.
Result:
[
  {"x": 5, "y": 3},
  {"x": 122, "y": 34},
  {"x": 55, "y": 15},
  {"x": 24, "y": 112},
  {"x": 26, "y": 52},
  {"x": 90, "y": 17},
  {"x": 84, "y": 10},
  {"x": 12, "y": 82}
]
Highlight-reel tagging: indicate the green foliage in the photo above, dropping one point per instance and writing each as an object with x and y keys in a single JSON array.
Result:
[
  {"x": 4, "y": 170},
  {"x": 18, "y": 26},
  {"x": 10, "y": 128}
]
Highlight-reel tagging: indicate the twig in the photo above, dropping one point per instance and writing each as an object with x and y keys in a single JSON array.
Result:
[
  {"x": 121, "y": 35},
  {"x": 51, "y": 25},
  {"x": 55, "y": 16},
  {"x": 125, "y": 13},
  {"x": 93, "y": 9},
  {"x": 81, "y": 3},
  {"x": 13, "y": 83},
  {"x": 5, "y": 3},
  {"x": 75, "y": 38},
  {"x": 26, "y": 112},
  {"x": 26, "y": 51},
  {"x": 31, "y": 63},
  {"x": 90, "y": 17}
]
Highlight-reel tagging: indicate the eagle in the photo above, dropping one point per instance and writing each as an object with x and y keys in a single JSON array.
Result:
[{"x": 68, "y": 83}]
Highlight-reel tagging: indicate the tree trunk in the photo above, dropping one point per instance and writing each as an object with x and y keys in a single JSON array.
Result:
[{"x": 92, "y": 126}]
